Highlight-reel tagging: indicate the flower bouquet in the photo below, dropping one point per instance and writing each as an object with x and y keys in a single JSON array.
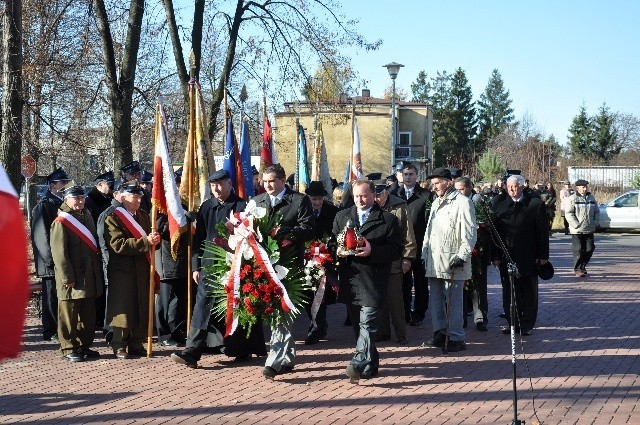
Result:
[
  {"x": 254, "y": 276},
  {"x": 320, "y": 273}
]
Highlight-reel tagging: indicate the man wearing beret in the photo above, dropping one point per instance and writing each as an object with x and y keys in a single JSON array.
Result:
[
  {"x": 206, "y": 332},
  {"x": 78, "y": 275},
  {"x": 42, "y": 217},
  {"x": 582, "y": 214},
  {"x": 448, "y": 242},
  {"x": 521, "y": 221}
]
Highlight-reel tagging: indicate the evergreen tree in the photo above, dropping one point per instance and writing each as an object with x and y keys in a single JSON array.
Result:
[
  {"x": 494, "y": 110},
  {"x": 439, "y": 100},
  {"x": 604, "y": 135},
  {"x": 580, "y": 137},
  {"x": 421, "y": 88}
]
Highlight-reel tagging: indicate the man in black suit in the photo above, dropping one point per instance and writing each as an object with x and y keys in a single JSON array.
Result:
[
  {"x": 324, "y": 213},
  {"x": 206, "y": 332},
  {"x": 296, "y": 225},
  {"x": 364, "y": 277},
  {"x": 416, "y": 199},
  {"x": 521, "y": 220}
]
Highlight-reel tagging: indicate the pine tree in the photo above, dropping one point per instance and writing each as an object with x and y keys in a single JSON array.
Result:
[
  {"x": 439, "y": 99},
  {"x": 580, "y": 134},
  {"x": 421, "y": 88},
  {"x": 494, "y": 110},
  {"x": 604, "y": 135}
]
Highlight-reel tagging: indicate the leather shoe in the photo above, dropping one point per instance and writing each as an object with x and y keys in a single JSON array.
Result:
[
  {"x": 481, "y": 327},
  {"x": 269, "y": 372},
  {"x": 286, "y": 369},
  {"x": 314, "y": 337},
  {"x": 139, "y": 352},
  {"x": 454, "y": 346},
  {"x": 73, "y": 357},
  {"x": 368, "y": 374},
  {"x": 88, "y": 353},
  {"x": 437, "y": 341},
  {"x": 185, "y": 359},
  {"x": 121, "y": 353}
]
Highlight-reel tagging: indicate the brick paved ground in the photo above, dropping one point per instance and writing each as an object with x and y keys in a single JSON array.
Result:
[{"x": 582, "y": 361}]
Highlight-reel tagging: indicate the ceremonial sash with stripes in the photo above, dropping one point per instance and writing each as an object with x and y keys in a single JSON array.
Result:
[
  {"x": 73, "y": 224},
  {"x": 135, "y": 229}
]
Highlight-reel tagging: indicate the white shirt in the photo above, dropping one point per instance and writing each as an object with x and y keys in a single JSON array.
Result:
[
  {"x": 408, "y": 191},
  {"x": 277, "y": 198}
]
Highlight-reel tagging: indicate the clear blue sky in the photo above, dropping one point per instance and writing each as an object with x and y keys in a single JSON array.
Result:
[{"x": 553, "y": 55}]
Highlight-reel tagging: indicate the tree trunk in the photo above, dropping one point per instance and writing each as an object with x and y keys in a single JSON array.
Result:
[{"x": 11, "y": 138}]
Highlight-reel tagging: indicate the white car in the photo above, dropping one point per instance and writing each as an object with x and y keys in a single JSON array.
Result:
[{"x": 622, "y": 212}]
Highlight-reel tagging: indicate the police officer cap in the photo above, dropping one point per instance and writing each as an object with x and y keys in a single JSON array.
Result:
[
  {"x": 118, "y": 183},
  {"x": 254, "y": 170},
  {"x": 545, "y": 272},
  {"x": 219, "y": 175},
  {"x": 380, "y": 185},
  {"x": 441, "y": 172},
  {"x": 106, "y": 177},
  {"x": 132, "y": 187},
  {"x": 131, "y": 167},
  {"x": 315, "y": 188},
  {"x": 72, "y": 189},
  {"x": 581, "y": 182},
  {"x": 401, "y": 165},
  {"x": 146, "y": 177},
  {"x": 374, "y": 176},
  {"x": 455, "y": 172},
  {"x": 58, "y": 176}
]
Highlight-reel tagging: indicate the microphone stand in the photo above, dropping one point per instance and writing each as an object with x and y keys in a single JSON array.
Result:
[{"x": 513, "y": 273}]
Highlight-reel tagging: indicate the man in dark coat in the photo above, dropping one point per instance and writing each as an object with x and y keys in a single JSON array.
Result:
[
  {"x": 324, "y": 213},
  {"x": 205, "y": 331},
  {"x": 522, "y": 223},
  {"x": 416, "y": 199},
  {"x": 133, "y": 171},
  {"x": 364, "y": 277},
  {"x": 296, "y": 225},
  {"x": 42, "y": 217}
]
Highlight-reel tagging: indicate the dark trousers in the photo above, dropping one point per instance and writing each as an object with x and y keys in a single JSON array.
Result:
[
  {"x": 365, "y": 325},
  {"x": 321, "y": 319},
  {"x": 583, "y": 247},
  {"x": 479, "y": 297},
  {"x": 415, "y": 278},
  {"x": 171, "y": 309},
  {"x": 526, "y": 299},
  {"x": 394, "y": 309},
  {"x": 49, "y": 307}
]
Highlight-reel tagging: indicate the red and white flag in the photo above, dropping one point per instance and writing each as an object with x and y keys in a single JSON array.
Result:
[
  {"x": 356, "y": 159},
  {"x": 165, "y": 195},
  {"x": 14, "y": 285}
]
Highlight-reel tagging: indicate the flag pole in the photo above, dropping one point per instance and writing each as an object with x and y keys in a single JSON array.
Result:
[
  {"x": 296, "y": 176},
  {"x": 353, "y": 127},
  {"x": 190, "y": 206},
  {"x": 152, "y": 257}
]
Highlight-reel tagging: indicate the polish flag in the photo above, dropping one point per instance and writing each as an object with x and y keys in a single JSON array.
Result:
[
  {"x": 356, "y": 159},
  {"x": 165, "y": 195},
  {"x": 14, "y": 285}
]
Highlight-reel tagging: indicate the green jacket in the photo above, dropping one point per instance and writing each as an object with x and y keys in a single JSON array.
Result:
[{"x": 74, "y": 261}]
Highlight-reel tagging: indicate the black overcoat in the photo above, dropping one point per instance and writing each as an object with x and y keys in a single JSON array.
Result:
[
  {"x": 364, "y": 281},
  {"x": 42, "y": 217},
  {"x": 417, "y": 205}
]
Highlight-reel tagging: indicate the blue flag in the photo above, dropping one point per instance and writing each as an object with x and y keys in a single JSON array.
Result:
[
  {"x": 303, "y": 169},
  {"x": 229, "y": 158},
  {"x": 245, "y": 162}
]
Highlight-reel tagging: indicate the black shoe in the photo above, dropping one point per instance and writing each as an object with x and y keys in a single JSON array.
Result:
[
  {"x": 402, "y": 341},
  {"x": 269, "y": 372},
  {"x": 507, "y": 330},
  {"x": 108, "y": 337},
  {"x": 73, "y": 357},
  {"x": 139, "y": 352},
  {"x": 88, "y": 353},
  {"x": 481, "y": 327},
  {"x": 185, "y": 359},
  {"x": 353, "y": 374},
  {"x": 286, "y": 369},
  {"x": 416, "y": 322},
  {"x": 455, "y": 346},
  {"x": 169, "y": 343},
  {"x": 242, "y": 359},
  {"x": 437, "y": 341},
  {"x": 368, "y": 374},
  {"x": 315, "y": 337},
  {"x": 526, "y": 332}
]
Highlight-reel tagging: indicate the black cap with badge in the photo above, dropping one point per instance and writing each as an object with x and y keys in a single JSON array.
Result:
[
  {"x": 133, "y": 187},
  {"x": 72, "y": 189},
  {"x": 132, "y": 167},
  {"x": 59, "y": 175},
  {"x": 105, "y": 177}
]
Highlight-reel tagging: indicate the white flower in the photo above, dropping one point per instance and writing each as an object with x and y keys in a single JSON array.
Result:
[
  {"x": 281, "y": 272},
  {"x": 252, "y": 209}
]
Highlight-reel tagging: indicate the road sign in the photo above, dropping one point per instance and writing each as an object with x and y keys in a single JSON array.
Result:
[{"x": 28, "y": 166}]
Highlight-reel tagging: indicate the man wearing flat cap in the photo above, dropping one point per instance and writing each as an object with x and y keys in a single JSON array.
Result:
[
  {"x": 206, "y": 332},
  {"x": 128, "y": 238},
  {"x": 324, "y": 213},
  {"x": 42, "y": 217},
  {"x": 78, "y": 273},
  {"x": 583, "y": 215},
  {"x": 446, "y": 251},
  {"x": 100, "y": 197}
]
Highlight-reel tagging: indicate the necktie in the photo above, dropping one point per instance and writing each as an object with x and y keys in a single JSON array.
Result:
[{"x": 363, "y": 218}]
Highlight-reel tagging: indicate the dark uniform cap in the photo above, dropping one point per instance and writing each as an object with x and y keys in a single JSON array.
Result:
[
  {"x": 72, "y": 189},
  {"x": 254, "y": 170},
  {"x": 455, "y": 172},
  {"x": 131, "y": 167},
  {"x": 106, "y": 177},
  {"x": 146, "y": 177},
  {"x": 374, "y": 176},
  {"x": 219, "y": 175},
  {"x": 401, "y": 165},
  {"x": 132, "y": 187},
  {"x": 545, "y": 272},
  {"x": 315, "y": 188},
  {"x": 118, "y": 183},
  {"x": 444, "y": 173},
  {"x": 380, "y": 185},
  {"x": 58, "y": 176},
  {"x": 581, "y": 182}
]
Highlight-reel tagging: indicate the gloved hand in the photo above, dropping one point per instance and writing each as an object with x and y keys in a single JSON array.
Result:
[{"x": 456, "y": 262}]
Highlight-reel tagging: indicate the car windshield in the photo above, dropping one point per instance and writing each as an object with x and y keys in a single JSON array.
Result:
[{"x": 627, "y": 200}]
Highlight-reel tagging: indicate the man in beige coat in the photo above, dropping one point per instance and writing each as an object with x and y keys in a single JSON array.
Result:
[
  {"x": 446, "y": 251},
  {"x": 77, "y": 268}
]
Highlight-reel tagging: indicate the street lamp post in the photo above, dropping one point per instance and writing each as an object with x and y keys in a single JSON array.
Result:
[{"x": 393, "y": 69}]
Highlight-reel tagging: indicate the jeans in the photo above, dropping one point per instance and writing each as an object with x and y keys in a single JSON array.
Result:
[
  {"x": 365, "y": 325},
  {"x": 439, "y": 292}
]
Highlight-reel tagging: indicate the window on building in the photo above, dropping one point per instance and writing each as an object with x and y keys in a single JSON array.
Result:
[{"x": 405, "y": 138}]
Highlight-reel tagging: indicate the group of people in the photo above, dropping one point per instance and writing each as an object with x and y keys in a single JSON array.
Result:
[{"x": 423, "y": 248}]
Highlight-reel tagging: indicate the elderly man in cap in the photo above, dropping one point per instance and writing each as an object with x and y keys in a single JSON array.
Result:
[
  {"x": 133, "y": 171},
  {"x": 128, "y": 240},
  {"x": 78, "y": 275},
  {"x": 521, "y": 221},
  {"x": 42, "y": 217},
  {"x": 205, "y": 331},
  {"x": 324, "y": 213},
  {"x": 448, "y": 242},
  {"x": 583, "y": 215},
  {"x": 99, "y": 198},
  {"x": 394, "y": 307}
]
